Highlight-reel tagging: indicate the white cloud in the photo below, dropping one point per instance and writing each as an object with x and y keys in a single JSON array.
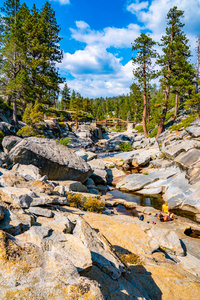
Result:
[
  {"x": 93, "y": 60},
  {"x": 104, "y": 85},
  {"x": 62, "y": 2},
  {"x": 82, "y": 25},
  {"x": 109, "y": 36},
  {"x": 135, "y": 7}
]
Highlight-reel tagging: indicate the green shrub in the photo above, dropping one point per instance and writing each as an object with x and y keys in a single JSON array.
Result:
[
  {"x": 125, "y": 147},
  {"x": 139, "y": 128},
  {"x": 62, "y": 124},
  {"x": 131, "y": 258},
  {"x": 62, "y": 118},
  {"x": 65, "y": 141},
  {"x": 184, "y": 123},
  {"x": 169, "y": 115},
  {"x": 75, "y": 200},
  {"x": 89, "y": 204},
  {"x": 153, "y": 133},
  {"x": 94, "y": 204},
  {"x": 55, "y": 113},
  {"x": 176, "y": 127},
  {"x": 118, "y": 129},
  {"x": 27, "y": 131}
]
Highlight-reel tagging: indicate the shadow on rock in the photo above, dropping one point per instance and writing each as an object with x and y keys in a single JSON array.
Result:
[{"x": 133, "y": 283}]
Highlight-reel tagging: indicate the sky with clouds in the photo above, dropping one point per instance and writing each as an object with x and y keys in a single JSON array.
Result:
[{"x": 97, "y": 36}]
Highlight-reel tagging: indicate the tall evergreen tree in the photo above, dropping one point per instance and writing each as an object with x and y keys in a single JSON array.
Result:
[
  {"x": 77, "y": 107},
  {"x": 183, "y": 73},
  {"x": 73, "y": 96},
  {"x": 29, "y": 50},
  {"x": 136, "y": 102},
  {"x": 143, "y": 60},
  {"x": 44, "y": 51},
  {"x": 65, "y": 100},
  {"x": 174, "y": 59},
  {"x": 10, "y": 52},
  {"x": 86, "y": 105}
]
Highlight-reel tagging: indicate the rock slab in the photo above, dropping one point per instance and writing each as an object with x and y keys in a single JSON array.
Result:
[{"x": 53, "y": 159}]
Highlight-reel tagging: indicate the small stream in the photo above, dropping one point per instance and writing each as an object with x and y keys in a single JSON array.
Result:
[{"x": 155, "y": 202}]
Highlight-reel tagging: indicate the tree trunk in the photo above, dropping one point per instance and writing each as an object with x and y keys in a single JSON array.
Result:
[
  {"x": 23, "y": 106},
  {"x": 144, "y": 116},
  {"x": 148, "y": 110},
  {"x": 164, "y": 112},
  {"x": 176, "y": 105},
  {"x": 76, "y": 124},
  {"x": 14, "y": 109},
  {"x": 8, "y": 101},
  {"x": 136, "y": 113}
]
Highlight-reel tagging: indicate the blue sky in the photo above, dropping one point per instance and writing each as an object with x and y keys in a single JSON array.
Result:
[{"x": 97, "y": 36}]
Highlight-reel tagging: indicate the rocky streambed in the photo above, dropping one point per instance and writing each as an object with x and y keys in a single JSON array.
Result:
[{"x": 49, "y": 250}]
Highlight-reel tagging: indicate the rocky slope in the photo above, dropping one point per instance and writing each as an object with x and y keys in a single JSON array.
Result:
[{"x": 49, "y": 250}]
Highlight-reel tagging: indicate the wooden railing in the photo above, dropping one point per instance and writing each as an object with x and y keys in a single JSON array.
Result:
[{"x": 112, "y": 122}]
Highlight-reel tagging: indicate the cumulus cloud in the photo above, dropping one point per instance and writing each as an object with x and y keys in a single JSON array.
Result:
[
  {"x": 82, "y": 25},
  {"x": 62, "y": 2},
  {"x": 93, "y": 59},
  {"x": 105, "y": 85},
  {"x": 137, "y": 6},
  {"x": 109, "y": 36}
]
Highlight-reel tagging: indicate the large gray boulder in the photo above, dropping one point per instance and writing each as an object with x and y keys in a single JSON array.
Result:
[
  {"x": 6, "y": 128},
  {"x": 187, "y": 159},
  {"x": 172, "y": 150},
  {"x": 28, "y": 172},
  {"x": 99, "y": 168},
  {"x": 135, "y": 182},
  {"x": 53, "y": 159},
  {"x": 9, "y": 142},
  {"x": 194, "y": 128},
  {"x": 16, "y": 221}
]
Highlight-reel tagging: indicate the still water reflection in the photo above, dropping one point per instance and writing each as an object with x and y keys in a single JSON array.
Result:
[{"x": 141, "y": 200}]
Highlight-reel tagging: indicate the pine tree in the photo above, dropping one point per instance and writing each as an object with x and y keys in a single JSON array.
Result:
[
  {"x": 86, "y": 105},
  {"x": 65, "y": 100},
  {"x": 77, "y": 107},
  {"x": 29, "y": 50},
  {"x": 44, "y": 52},
  {"x": 145, "y": 52},
  {"x": 11, "y": 52},
  {"x": 174, "y": 60},
  {"x": 136, "y": 102},
  {"x": 73, "y": 96},
  {"x": 183, "y": 73}
]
